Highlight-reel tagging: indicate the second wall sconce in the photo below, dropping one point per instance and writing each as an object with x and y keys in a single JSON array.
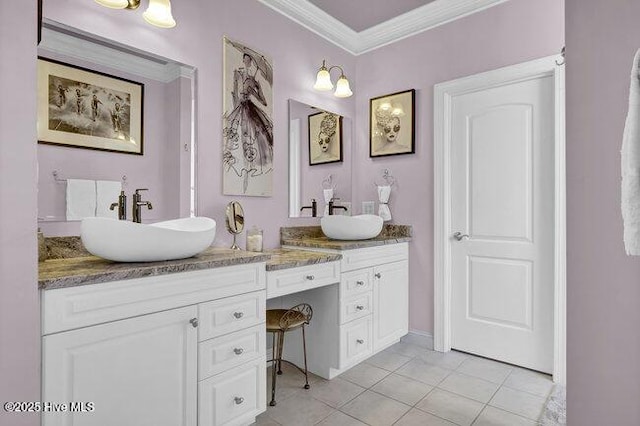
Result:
[
  {"x": 323, "y": 81},
  {"x": 158, "y": 13}
]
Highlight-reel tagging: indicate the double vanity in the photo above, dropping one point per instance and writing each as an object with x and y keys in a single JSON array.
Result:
[{"x": 183, "y": 342}]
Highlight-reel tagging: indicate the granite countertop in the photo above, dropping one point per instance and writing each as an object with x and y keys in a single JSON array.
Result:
[
  {"x": 76, "y": 271},
  {"x": 312, "y": 237},
  {"x": 288, "y": 258}
]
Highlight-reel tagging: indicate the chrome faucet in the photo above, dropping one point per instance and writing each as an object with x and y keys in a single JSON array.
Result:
[
  {"x": 333, "y": 207},
  {"x": 137, "y": 203},
  {"x": 121, "y": 205},
  {"x": 313, "y": 207}
]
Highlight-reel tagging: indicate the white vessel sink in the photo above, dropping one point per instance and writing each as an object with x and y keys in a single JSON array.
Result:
[
  {"x": 124, "y": 241},
  {"x": 360, "y": 227}
]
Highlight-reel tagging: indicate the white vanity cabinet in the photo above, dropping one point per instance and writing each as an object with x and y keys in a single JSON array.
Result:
[
  {"x": 183, "y": 349},
  {"x": 374, "y": 299},
  {"x": 366, "y": 312},
  {"x": 138, "y": 371}
]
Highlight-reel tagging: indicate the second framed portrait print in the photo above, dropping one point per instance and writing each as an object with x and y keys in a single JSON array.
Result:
[
  {"x": 392, "y": 124},
  {"x": 325, "y": 138}
]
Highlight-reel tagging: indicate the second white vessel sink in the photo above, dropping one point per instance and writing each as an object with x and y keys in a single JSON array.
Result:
[
  {"x": 362, "y": 227},
  {"x": 123, "y": 241}
]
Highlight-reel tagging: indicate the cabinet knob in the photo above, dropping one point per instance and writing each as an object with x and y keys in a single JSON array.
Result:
[
  {"x": 238, "y": 315},
  {"x": 359, "y": 307},
  {"x": 238, "y": 351},
  {"x": 378, "y": 275},
  {"x": 360, "y": 283},
  {"x": 194, "y": 322},
  {"x": 238, "y": 400},
  {"x": 310, "y": 277},
  {"x": 360, "y": 341}
]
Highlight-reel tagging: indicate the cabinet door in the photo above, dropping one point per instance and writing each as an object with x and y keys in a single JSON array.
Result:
[
  {"x": 138, "y": 372},
  {"x": 391, "y": 303}
]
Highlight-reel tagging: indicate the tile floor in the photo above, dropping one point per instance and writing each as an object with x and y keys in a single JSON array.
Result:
[{"x": 409, "y": 385}]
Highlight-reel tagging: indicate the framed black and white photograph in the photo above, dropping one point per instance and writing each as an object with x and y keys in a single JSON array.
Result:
[
  {"x": 247, "y": 121},
  {"x": 82, "y": 108},
  {"x": 392, "y": 124},
  {"x": 325, "y": 138}
]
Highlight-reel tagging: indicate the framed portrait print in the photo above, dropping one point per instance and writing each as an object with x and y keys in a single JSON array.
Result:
[
  {"x": 392, "y": 124},
  {"x": 325, "y": 138},
  {"x": 81, "y": 108}
]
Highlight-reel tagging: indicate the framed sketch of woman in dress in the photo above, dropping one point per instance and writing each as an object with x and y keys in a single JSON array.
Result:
[
  {"x": 247, "y": 121},
  {"x": 392, "y": 124},
  {"x": 325, "y": 138}
]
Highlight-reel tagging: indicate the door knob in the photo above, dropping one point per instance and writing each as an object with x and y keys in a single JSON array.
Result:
[
  {"x": 194, "y": 322},
  {"x": 459, "y": 236},
  {"x": 377, "y": 275}
]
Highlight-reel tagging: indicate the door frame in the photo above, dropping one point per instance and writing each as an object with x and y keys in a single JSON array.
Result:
[{"x": 444, "y": 93}]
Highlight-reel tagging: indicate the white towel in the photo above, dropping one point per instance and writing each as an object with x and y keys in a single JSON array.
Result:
[
  {"x": 328, "y": 195},
  {"x": 384, "y": 192},
  {"x": 107, "y": 192},
  {"x": 81, "y": 199},
  {"x": 631, "y": 165}
]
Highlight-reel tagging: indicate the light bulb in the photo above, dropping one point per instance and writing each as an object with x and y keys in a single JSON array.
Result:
[
  {"x": 323, "y": 80},
  {"x": 342, "y": 88},
  {"x": 114, "y": 4},
  {"x": 159, "y": 14}
]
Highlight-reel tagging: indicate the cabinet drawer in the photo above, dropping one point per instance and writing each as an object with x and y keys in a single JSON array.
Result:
[
  {"x": 287, "y": 281},
  {"x": 355, "y": 341},
  {"x": 234, "y": 397},
  {"x": 372, "y": 256},
  {"x": 231, "y": 314},
  {"x": 355, "y": 282},
  {"x": 75, "y": 307},
  {"x": 356, "y": 307},
  {"x": 225, "y": 352}
]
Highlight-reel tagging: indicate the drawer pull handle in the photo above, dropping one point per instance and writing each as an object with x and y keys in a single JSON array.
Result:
[
  {"x": 359, "y": 307},
  {"x": 238, "y": 400},
  {"x": 238, "y": 315},
  {"x": 360, "y": 341},
  {"x": 360, "y": 283},
  {"x": 238, "y": 351},
  {"x": 194, "y": 322},
  {"x": 310, "y": 277},
  {"x": 378, "y": 275}
]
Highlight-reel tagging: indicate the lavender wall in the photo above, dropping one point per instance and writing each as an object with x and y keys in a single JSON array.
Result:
[
  {"x": 158, "y": 169},
  {"x": 197, "y": 40},
  {"x": 19, "y": 317},
  {"x": 603, "y": 343},
  {"x": 516, "y": 31}
]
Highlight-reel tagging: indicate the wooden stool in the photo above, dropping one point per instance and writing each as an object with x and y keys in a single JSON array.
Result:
[{"x": 280, "y": 321}]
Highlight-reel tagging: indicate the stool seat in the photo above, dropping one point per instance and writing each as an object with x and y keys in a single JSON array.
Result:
[{"x": 274, "y": 320}]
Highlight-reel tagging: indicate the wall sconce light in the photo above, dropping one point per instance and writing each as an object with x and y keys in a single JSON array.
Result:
[
  {"x": 158, "y": 13},
  {"x": 324, "y": 84}
]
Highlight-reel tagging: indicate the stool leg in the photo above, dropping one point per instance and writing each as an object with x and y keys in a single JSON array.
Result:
[
  {"x": 304, "y": 351},
  {"x": 280, "y": 349},
  {"x": 273, "y": 372}
]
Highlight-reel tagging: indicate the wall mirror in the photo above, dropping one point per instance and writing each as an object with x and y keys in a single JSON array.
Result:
[
  {"x": 83, "y": 109},
  {"x": 320, "y": 143}
]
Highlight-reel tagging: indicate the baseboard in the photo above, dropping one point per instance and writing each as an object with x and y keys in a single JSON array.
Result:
[{"x": 419, "y": 338}]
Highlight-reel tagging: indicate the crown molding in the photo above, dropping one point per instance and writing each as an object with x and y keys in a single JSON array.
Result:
[
  {"x": 318, "y": 21},
  {"x": 85, "y": 50},
  {"x": 406, "y": 25}
]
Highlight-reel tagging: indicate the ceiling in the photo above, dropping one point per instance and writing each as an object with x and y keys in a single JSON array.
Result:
[
  {"x": 359, "y": 26},
  {"x": 362, "y": 14}
]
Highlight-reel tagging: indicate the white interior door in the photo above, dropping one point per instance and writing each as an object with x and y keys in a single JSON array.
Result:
[{"x": 502, "y": 206}]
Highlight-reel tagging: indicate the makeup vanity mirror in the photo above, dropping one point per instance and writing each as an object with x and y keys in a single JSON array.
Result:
[
  {"x": 87, "y": 121},
  {"x": 320, "y": 144}
]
